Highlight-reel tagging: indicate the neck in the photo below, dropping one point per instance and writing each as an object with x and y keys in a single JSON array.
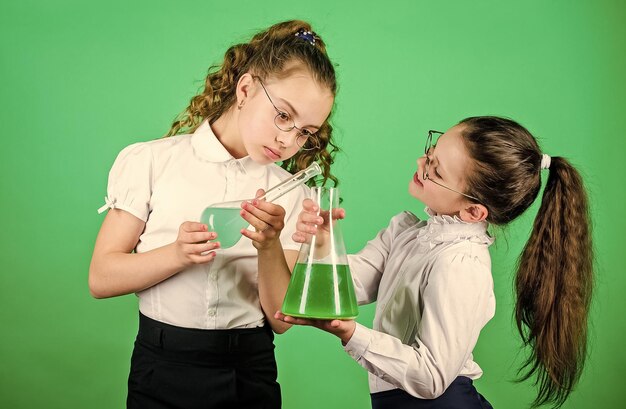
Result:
[
  {"x": 227, "y": 132},
  {"x": 451, "y": 214}
]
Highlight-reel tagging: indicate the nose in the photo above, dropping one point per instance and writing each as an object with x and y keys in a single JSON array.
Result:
[
  {"x": 287, "y": 139},
  {"x": 421, "y": 162}
]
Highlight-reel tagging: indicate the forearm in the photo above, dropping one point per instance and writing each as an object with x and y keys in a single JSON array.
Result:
[
  {"x": 420, "y": 371},
  {"x": 273, "y": 280},
  {"x": 119, "y": 273},
  {"x": 455, "y": 305}
]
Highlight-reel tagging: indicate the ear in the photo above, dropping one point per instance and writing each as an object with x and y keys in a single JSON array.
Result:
[
  {"x": 474, "y": 213},
  {"x": 244, "y": 86}
]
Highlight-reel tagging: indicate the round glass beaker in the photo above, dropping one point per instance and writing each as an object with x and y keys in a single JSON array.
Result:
[
  {"x": 225, "y": 218},
  {"x": 321, "y": 284}
]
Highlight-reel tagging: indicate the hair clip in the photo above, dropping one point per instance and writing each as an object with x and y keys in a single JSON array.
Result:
[{"x": 308, "y": 36}]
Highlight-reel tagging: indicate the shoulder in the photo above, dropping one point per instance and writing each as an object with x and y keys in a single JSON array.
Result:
[
  {"x": 404, "y": 221},
  {"x": 400, "y": 229},
  {"x": 465, "y": 258},
  {"x": 155, "y": 149},
  {"x": 406, "y": 218},
  {"x": 165, "y": 144}
]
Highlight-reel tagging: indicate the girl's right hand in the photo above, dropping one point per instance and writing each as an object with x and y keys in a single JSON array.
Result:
[
  {"x": 311, "y": 223},
  {"x": 192, "y": 244},
  {"x": 343, "y": 329}
]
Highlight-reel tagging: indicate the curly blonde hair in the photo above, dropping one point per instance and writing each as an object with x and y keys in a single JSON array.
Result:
[{"x": 268, "y": 53}]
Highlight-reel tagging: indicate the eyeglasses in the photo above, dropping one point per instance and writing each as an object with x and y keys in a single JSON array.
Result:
[
  {"x": 428, "y": 150},
  {"x": 305, "y": 139}
]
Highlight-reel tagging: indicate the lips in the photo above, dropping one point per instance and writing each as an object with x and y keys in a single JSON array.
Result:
[
  {"x": 271, "y": 153},
  {"x": 417, "y": 180}
]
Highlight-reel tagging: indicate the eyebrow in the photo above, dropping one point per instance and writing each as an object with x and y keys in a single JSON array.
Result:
[{"x": 292, "y": 109}]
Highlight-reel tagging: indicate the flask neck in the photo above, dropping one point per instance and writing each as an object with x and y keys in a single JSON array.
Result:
[
  {"x": 280, "y": 189},
  {"x": 296, "y": 180}
]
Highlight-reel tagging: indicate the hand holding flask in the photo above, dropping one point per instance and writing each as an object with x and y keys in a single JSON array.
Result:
[{"x": 225, "y": 219}]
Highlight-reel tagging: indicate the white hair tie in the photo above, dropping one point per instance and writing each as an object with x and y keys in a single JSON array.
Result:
[{"x": 545, "y": 161}]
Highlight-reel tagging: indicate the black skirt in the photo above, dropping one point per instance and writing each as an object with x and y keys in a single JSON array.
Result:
[
  {"x": 174, "y": 367},
  {"x": 461, "y": 394}
]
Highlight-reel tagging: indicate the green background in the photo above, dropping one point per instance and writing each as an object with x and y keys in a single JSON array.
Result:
[{"x": 81, "y": 80}]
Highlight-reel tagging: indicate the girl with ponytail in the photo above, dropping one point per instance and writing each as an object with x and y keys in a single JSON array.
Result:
[
  {"x": 432, "y": 278},
  {"x": 206, "y": 322}
]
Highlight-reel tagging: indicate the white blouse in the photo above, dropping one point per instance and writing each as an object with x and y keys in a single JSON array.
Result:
[
  {"x": 171, "y": 180},
  {"x": 434, "y": 291}
]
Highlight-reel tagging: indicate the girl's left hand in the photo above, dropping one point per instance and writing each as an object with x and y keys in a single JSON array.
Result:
[
  {"x": 268, "y": 220},
  {"x": 344, "y": 329}
]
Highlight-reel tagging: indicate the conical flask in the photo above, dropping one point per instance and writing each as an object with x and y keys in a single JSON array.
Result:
[
  {"x": 225, "y": 219},
  {"x": 321, "y": 284}
]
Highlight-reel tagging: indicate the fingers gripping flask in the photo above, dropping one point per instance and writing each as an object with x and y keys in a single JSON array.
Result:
[
  {"x": 225, "y": 219},
  {"x": 321, "y": 284}
]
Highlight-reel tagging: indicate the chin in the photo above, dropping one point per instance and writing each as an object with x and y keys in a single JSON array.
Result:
[
  {"x": 413, "y": 191},
  {"x": 260, "y": 158},
  {"x": 263, "y": 160}
]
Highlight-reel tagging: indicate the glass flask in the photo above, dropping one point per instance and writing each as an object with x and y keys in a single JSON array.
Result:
[
  {"x": 321, "y": 284},
  {"x": 225, "y": 219}
]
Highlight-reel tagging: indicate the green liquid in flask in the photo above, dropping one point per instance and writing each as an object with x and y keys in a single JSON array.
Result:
[
  {"x": 320, "y": 291},
  {"x": 226, "y": 222}
]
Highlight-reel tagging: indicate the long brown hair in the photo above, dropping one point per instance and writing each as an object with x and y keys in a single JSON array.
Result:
[
  {"x": 268, "y": 53},
  {"x": 554, "y": 277}
]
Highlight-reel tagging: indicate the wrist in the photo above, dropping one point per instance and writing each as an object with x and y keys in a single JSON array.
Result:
[
  {"x": 270, "y": 248},
  {"x": 180, "y": 262},
  {"x": 347, "y": 335}
]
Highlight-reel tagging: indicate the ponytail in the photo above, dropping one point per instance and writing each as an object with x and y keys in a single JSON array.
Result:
[
  {"x": 554, "y": 286},
  {"x": 555, "y": 271}
]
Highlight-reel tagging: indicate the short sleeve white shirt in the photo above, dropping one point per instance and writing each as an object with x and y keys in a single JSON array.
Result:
[
  {"x": 434, "y": 291},
  {"x": 171, "y": 180}
]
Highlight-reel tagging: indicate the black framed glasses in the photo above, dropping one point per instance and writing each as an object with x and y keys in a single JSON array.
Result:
[
  {"x": 428, "y": 150},
  {"x": 305, "y": 139}
]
